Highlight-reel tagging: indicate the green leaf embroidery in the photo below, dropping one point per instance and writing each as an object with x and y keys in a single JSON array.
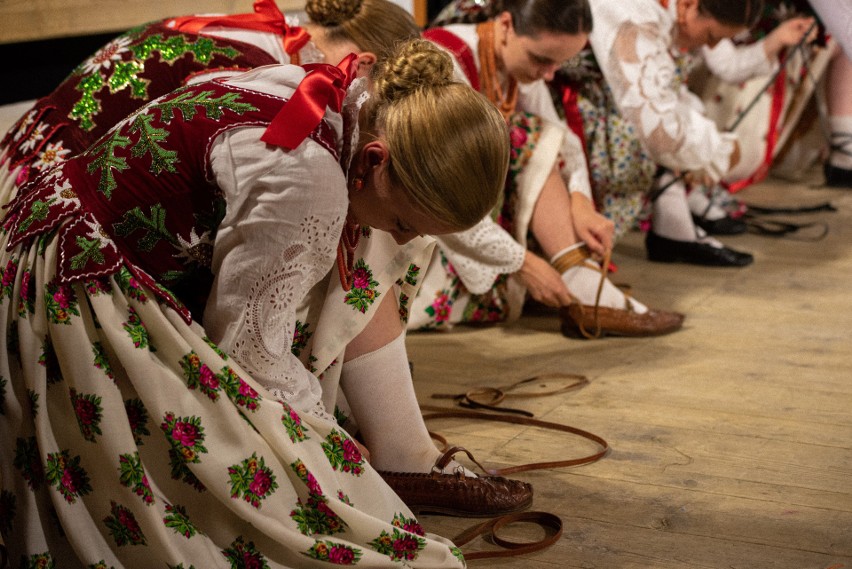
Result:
[
  {"x": 153, "y": 226},
  {"x": 107, "y": 161},
  {"x": 189, "y": 104},
  {"x": 149, "y": 137},
  {"x": 90, "y": 250}
]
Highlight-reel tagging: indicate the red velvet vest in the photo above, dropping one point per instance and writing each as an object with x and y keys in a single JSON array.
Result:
[
  {"x": 138, "y": 66},
  {"x": 143, "y": 196}
]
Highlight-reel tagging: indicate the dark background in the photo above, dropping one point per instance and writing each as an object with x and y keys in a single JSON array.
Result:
[{"x": 33, "y": 69}]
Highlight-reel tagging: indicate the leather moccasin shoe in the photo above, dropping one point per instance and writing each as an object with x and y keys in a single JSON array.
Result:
[
  {"x": 455, "y": 493},
  {"x": 584, "y": 321},
  {"x": 837, "y": 177},
  {"x": 458, "y": 495},
  {"x": 664, "y": 250},
  {"x": 722, "y": 226}
]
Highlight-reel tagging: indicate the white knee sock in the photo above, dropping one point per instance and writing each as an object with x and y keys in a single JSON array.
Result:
[
  {"x": 701, "y": 206},
  {"x": 380, "y": 392},
  {"x": 841, "y": 136},
  {"x": 583, "y": 281},
  {"x": 672, "y": 218}
]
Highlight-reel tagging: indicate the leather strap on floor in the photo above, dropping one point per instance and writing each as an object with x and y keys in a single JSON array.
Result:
[
  {"x": 443, "y": 413},
  {"x": 490, "y": 397},
  {"x": 551, "y": 524}
]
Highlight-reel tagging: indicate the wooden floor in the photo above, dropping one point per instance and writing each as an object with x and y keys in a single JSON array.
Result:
[{"x": 731, "y": 439}]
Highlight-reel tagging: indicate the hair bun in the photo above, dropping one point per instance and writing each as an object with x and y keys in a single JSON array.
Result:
[
  {"x": 332, "y": 12},
  {"x": 414, "y": 65}
]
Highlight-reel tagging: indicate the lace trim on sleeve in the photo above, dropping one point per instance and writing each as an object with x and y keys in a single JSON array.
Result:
[{"x": 481, "y": 254}]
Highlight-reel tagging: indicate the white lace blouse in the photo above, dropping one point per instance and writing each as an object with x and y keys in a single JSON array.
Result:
[
  {"x": 285, "y": 211},
  {"x": 633, "y": 43}
]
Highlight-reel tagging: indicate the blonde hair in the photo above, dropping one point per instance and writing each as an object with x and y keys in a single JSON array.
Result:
[
  {"x": 448, "y": 145},
  {"x": 373, "y": 25}
]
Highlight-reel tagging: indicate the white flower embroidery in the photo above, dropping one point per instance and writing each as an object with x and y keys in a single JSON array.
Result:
[
  {"x": 199, "y": 248},
  {"x": 97, "y": 233},
  {"x": 65, "y": 192},
  {"x": 106, "y": 55},
  {"x": 33, "y": 139},
  {"x": 53, "y": 154},
  {"x": 650, "y": 90},
  {"x": 25, "y": 124}
]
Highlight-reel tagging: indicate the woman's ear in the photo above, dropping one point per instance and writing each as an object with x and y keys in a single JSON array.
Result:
[
  {"x": 685, "y": 9},
  {"x": 504, "y": 24},
  {"x": 372, "y": 157},
  {"x": 365, "y": 62},
  {"x": 375, "y": 153}
]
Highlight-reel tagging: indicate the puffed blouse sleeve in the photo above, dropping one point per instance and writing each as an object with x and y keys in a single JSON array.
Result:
[
  {"x": 481, "y": 254},
  {"x": 737, "y": 63},
  {"x": 285, "y": 211},
  {"x": 632, "y": 49}
]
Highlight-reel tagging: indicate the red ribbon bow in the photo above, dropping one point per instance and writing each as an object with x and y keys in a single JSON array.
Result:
[
  {"x": 324, "y": 86},
  {"x": 266, "y": 18}
]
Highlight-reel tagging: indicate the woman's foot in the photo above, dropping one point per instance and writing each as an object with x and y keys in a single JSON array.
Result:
[
  {"x": 603, "y": 308},
  {"x": 451, "y": 491}
]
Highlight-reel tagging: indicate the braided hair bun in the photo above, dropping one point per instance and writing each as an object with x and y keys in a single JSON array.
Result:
[
  {"x": 329, "y": 13},
  {"x": 415, "y": 65}
]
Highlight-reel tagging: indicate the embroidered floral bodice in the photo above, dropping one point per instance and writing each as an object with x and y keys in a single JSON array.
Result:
[
  {"x": 136, "y": 67},
  {"x": 185, "y": 188}
]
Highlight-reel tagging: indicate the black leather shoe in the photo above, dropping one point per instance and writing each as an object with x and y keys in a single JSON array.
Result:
[
  {"x": 837, "y": 177},
  {"x": 722, "y": 226},
  {"x": 665, "y": 250}
]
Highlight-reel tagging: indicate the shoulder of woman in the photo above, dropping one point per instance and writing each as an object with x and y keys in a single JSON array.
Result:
[{"x": 280, "y": 79}]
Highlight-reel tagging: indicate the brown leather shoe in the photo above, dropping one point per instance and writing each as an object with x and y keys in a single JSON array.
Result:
[
  {"x": 580, "y": 321},
  {"x": 456, "y": 494},
  {"x": 459, "y": 495}
]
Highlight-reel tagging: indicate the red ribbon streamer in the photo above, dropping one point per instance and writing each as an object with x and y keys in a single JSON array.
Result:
[
  {"x": 778, "y": 92},
  {"x": 266, "y": 18},
  {"x": 323, "y": 86}
]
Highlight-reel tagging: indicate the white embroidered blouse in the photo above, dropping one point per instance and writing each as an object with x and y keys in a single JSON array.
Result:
[
  {"x": 633, "y": 43},
  {"x": 285, "y": 212}
]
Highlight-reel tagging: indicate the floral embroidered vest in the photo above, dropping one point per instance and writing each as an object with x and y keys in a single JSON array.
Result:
[
  {"x": 138, "y": 66},
  {"x": 143, "y": 196}
]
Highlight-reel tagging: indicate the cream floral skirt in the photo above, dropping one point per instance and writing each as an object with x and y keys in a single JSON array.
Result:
[{"x": 128, "y": 439}]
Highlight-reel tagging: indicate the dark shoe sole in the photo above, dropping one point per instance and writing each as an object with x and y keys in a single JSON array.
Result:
[{"x": 664, "y": 250}]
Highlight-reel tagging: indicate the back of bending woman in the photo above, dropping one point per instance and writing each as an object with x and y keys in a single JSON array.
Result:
[
  {"x": 136, "y": 67},
  {"x": 128, "y": 438}
]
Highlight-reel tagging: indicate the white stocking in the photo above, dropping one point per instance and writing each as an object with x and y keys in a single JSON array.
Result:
[
  {"x": 583, "y": 281},
  {"x": 380, "y": 392},
  {"x": 672, "y": 218},
  {"x": 701, "y": 206},
  {"x": 841, "y": 142}
]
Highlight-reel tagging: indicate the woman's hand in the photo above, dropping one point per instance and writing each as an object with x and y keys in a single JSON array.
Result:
[
  {"x": 543, "y": 282},
  {"x": 789, "y": 33},
  {"x": 590, "y": 226}
]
